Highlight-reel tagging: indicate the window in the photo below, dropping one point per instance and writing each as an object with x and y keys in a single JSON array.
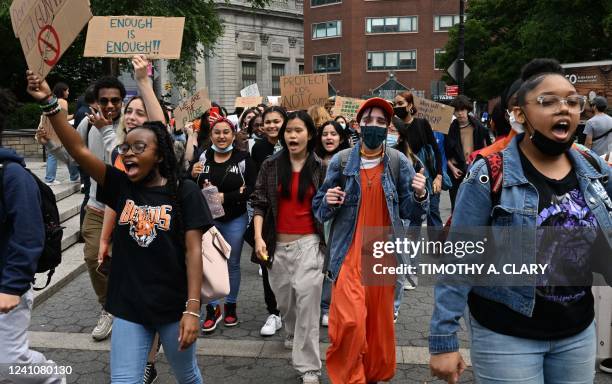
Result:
[
  {"x": 445, "y": 22},
  {"x": 392, "y": 24},
  {"x": 326, "y": 63},
  {"x": 278, "y": 70},
  {"x": 249, "y": 73},
  {"x": 391, "y": 60},
  {"x": 301, "y": 69},
  {"x": 327, "y": 29},
  {"x": 314, "y": 3},
  {"x": 437, "y": 54}
]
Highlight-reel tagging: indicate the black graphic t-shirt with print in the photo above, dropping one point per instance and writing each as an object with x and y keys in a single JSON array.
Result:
[
  {"x": 560, "y": 311},
  {"x": 148, "y": 279}
]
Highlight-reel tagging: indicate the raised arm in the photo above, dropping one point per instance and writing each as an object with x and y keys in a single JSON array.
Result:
[
  {"x": 154, "y": 110},
  {"x": 40, "y": 91}
]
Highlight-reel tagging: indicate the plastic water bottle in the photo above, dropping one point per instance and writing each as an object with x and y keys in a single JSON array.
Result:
[{"x": 211, "y": 194}]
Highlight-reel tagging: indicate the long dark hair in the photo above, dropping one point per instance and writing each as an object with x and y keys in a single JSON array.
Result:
[
  {"x": 169, "y": 168},
  {"x": 344, "y": 139},
  {"x": 244, "y": 115},
  {"x": 284, "y": 165},
  {"x": 59, "y": 89}
]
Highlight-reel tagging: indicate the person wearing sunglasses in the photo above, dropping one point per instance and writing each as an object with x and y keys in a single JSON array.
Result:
[{"x": 543, "y": 332}]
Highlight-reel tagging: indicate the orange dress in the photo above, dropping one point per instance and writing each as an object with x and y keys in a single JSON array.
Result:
[{"x": 361, "y": 327}]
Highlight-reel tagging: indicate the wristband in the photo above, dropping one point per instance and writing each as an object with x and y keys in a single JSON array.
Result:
[{"x": 192, "y": 314}]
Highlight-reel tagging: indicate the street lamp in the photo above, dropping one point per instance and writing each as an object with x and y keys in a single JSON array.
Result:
[{"x": 460, "y": 58}]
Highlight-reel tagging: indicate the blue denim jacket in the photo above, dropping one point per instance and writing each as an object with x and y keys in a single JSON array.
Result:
[
  {"x": 518, "y": 207},
  {"x": 400, "y": 203}
]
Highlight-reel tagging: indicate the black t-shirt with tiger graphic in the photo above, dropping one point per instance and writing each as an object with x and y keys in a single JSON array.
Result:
[{"x": 148, "y": 279}]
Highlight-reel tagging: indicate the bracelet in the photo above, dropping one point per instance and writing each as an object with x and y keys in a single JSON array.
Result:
[
  {"x": 49, "y": 102},
  {"x": 188, "y": 300},
  {"x": 192, "y": 314},
  {"x": 53, "y": 112}
]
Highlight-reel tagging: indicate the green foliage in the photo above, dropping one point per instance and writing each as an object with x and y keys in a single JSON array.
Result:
[
  {"x": 25, "y": 117},
  {"x": 202, "y": 29},
  {"x": 503, "y": 35}
]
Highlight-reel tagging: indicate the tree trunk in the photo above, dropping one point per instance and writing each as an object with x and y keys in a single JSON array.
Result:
[{"x": 111, "y": 67}]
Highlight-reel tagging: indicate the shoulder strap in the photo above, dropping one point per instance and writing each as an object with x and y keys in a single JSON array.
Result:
[
  {"x": 603, "y": 135},
  {"x": 495, "y": 166},
  {"x": 587, "y": 156},
  {"x": 344, "y": 155},
  {"x": 394, "y": 164}
]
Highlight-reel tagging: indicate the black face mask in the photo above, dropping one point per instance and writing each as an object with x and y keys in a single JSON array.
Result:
[
  {"x": 400, "y": 112},
  {"x": 548, "y": 146}
]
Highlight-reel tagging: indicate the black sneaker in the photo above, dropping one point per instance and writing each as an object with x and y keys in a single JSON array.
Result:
[
  {"x": 150, "y": 374},
  {"x": 213, "y": 317},
  {"x": 229, "y": 315},
  {"x": 606, "y": 365}
]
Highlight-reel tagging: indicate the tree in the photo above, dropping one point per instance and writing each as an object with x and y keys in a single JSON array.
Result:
[
  {"x": 503, "y": 35},
  {"x": 202, "y": 29}
]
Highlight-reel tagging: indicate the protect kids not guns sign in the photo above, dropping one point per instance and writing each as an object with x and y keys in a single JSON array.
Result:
[
  {"x": 47, "y": 28},
  {"x": 126, "y": 36},
  {"x": 302, "y": 91}
]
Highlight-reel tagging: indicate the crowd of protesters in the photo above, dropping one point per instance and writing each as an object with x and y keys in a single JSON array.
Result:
[{"x": 302, "y": 187}]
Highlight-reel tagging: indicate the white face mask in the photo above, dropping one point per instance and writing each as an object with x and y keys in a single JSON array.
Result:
[
  {"x": 343, "y": 125},
  {"x": 516, "y": 126}
]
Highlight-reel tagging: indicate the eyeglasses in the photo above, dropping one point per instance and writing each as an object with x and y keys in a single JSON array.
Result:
[
  {"x": 105, "y": 100},
  {"x": 137, "y": 148},
  {"x": 552, "y": 103}
]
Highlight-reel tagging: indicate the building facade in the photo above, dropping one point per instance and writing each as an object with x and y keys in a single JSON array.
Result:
[
  {"x": 257, "y": 46},
  {"x": 372, "y": 47}
]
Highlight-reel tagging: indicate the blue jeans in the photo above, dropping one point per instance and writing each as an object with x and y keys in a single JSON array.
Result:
[
  {"x": 326, "y": 296},
  {"x": 52, "y": 169},
  {"x": 130, "y": 346},
  {"x": 498, "y": 358},
  {"x": 433, "y": 214},
  {"x": 233, "y": 232}
]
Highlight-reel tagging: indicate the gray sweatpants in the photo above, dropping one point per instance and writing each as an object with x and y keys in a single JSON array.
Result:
[
  {"x": 296, "y": 278},
  {"x": 15, "y": 349}
]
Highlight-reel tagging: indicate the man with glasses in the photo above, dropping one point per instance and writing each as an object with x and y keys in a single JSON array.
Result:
[{"x": 100, "y": 139}]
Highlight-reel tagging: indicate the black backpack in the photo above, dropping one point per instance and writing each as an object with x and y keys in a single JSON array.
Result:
[{"x": 51, "y": 255}]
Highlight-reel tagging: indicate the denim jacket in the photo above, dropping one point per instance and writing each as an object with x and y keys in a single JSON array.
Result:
[
  {"x": 400, "y": 198},
  {"x": 518, "y": 207}
]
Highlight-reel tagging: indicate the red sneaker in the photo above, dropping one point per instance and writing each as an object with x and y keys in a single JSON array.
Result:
[
  {"x": 229, "y": 315},
  {"x": 213, "y": 317}
]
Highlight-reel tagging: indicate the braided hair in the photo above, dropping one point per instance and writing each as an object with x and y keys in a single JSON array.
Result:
[{"x": 169, "y": 168}]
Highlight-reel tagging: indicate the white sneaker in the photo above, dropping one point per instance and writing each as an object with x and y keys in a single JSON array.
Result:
[
  {"x": 310, "y": 377},
  {"x": 408, "y": 286},
  {"x": 54, "y": 182},
  {"x": 273, "y": 324},
  {"x": 325, "y": 320},
  {"x": 289, "y": 342},
  {"x": 104, "y": 327}
]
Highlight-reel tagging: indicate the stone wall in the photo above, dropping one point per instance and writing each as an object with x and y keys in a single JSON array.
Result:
[{"x": 23, "y": 142}]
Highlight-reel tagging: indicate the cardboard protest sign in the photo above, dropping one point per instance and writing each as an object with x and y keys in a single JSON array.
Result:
[
  {"x": 126, "y": 36},
  {"x": 303, "y": 91},
  {"x": 274, "y": 100},
  {"x": 347, "y": 107},
  {"x": 246, "y": 102},
  {"x": 47, "y": 28},
  {"x": 18, "y": 11},
  {"x": 251, "y": 90},
  {"x": 439, "y": 115},
  {"x": 192, "y": 108}
]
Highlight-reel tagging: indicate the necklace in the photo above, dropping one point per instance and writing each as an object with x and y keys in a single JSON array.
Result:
[
  {"x": 371, "y": 155},
  {"x": 368, "y": 178}
]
